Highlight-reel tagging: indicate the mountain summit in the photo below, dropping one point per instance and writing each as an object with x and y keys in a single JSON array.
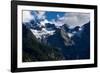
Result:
[{"x": 68, "y": 38}]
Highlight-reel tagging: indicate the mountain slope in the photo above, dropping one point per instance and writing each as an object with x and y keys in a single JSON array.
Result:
[
  {"x": 73, "y": 43},
  {"x": 33, "y": 50}
]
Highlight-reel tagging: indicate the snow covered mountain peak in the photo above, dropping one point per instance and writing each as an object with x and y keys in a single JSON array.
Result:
[
  {"x": 42, "y": 23},
  {"x": 42, "y": 34},
  {"x": 45, "y": 30}
]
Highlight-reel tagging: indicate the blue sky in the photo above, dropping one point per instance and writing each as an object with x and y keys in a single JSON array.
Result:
[
  {"x": 71, "y": 19},
  {"x": 50, "y": 14},
  {"x": 53, "y": 15}
]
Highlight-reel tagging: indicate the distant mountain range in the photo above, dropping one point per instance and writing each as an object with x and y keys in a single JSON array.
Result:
[{"x": 43, "y": 40}]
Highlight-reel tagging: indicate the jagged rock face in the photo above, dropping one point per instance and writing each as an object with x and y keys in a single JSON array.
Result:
[
  {"x": 67, "y": 39},
  {"x": 42, "y": 33},
  {"x": 36, "y": 51},
  {"x": 71, "y": 43}
]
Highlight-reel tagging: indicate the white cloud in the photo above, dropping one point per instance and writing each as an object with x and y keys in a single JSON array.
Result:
[
  {"x": 76, "y": 19},
  {"x": 27, "y": 16},
  {"x": 37, "y": 15},
  {"x": 73, "y": 19},
  {"x": 40, "y": 14},
  {"x": 58, "y": 23}
]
